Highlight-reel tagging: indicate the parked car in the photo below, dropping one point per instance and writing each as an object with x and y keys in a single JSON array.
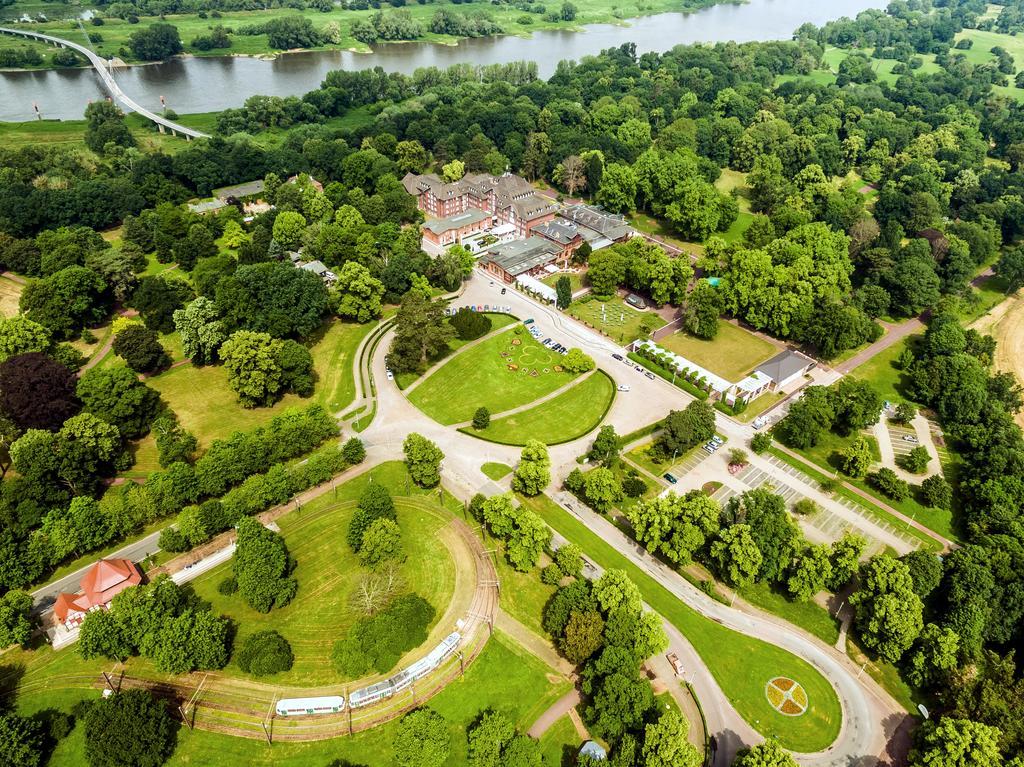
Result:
[
  {"x": 670, "y": 478},
  {"x": 717, "y": 440},
  {"x": 503, "y": 291},
  {"x": 528, "y": 321},
  {"x": 617, "y": 357},
  {"x": 649, "y": 374},
  {"x": 391, "y": 376},
  {"x": 546, "y": 342},
  {"x": 638, "y": 368},
  {"x": 677, "y": 665},
  {"x": 623, "y": 387},
  {"x": 564, "y": 352},
  {"x": 707, "y": 449},
  {"x": 909, "y": 438}
]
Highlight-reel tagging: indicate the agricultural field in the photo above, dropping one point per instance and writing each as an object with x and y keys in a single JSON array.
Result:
[
  {"x": 732, "y": 354},
  {"x": 498, "y": 374},
  {"x": 1006, "y": 324},
  {"x": 616, "y": 319},
  {"x": 566, "y": 417}
]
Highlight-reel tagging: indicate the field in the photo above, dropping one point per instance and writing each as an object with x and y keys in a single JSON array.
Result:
[
  {"x": 883, "y": 374},
  {"x": 615, "y": 318},
  {"x": 735, "y": 180},
  {"x": 480, "y": 376},
  {"x": 10, "y": 294},
  {"x": 560, "y": 744},
  {"x": 498, "y": 321},
  {"x": 575, "y": 280},
  {"x": 723, "y": 650},
  {"x": 116, "y": 32},
  {"x": 564, "y": 418},
  {"x": 732, "y": 354},
  {"x": 1006, "y": 325}
]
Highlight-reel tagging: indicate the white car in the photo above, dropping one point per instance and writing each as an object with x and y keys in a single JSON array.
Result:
[
  {"x": 391, "y": 376},
  {"x": 623, "y": 387}
]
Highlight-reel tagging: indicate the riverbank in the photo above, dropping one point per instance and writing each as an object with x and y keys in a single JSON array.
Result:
[{"x": 114, "y": 34}]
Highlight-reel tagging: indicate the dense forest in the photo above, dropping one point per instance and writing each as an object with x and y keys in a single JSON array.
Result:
[{"x": 819, "y": 264}]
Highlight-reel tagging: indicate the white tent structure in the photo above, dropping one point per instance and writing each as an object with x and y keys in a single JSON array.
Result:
[{"x": 535, "y": 286}]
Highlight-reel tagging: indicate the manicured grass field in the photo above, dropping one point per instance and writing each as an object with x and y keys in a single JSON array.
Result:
[
  {"x": 564, "y": 418},
  {"x": 735, "y": 180},
  {"x": 723, "y": 650},
  {"x": 480, "y": 376},
  {"x": 496, "y": 471},
  {"x": 881, "y": 371},
  {"x": 10, "y": 294},
  {"x": 807, "y": 615},
  {"x": 560, "y": 744},
  {"x": 575, "y": 280},
  {"x": 615, "y": 318},
  {"x": 732, "y": 354},
  {"x": 498, "y": 321}
]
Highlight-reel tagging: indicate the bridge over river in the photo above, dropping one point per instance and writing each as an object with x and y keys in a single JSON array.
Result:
[{"x": 103, "y": 68}]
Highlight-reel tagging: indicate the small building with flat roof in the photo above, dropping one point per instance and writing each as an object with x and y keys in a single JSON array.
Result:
[
  {"x": 320, "y": 270},
  {"x": 248, "y": 189},
  {"x": 509, "y": 260},
  {"x": 448, "y": 231}
]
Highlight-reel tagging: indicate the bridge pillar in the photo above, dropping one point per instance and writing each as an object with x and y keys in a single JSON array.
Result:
[
  {"x": 174, "y": 132},
  {"x": 188, "y": 137},
  {"x": 160, "y": 127}
]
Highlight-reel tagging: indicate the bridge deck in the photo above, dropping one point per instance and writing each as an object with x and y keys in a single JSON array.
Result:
[{"x": 99, "y": 64}]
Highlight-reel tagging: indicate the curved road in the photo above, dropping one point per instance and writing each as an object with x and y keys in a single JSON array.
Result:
[
  {"x": 101, "y": 67},
  {"x": 870, "y": 715}
]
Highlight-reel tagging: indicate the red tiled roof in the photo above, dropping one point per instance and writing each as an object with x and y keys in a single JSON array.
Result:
[
  {"x": 67, "y": 603},
  {"x": 108, "y": 578}
]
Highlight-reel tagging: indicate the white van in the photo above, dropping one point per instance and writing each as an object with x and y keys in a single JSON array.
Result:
[{"x": 623, "y": 387}]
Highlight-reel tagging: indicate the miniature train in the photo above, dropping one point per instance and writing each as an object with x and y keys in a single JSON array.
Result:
[{"x": 332, "y": 704}]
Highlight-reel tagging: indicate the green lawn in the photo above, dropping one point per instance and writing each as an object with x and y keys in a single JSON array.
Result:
[
  {"x": 481, "y": 376},
  {"x": 496, "y": 471},
  {"x": 207, "y": 406},
  {"x": 560, "y": 744},
  {"x": 504, "y": 677},
  {"x": 741, "y": 665},
  {"x": 735, "y": 180},
  {"x": 575, "y": 280},
  {"x": 642, "y": 457},
  {"x": 498, "y": 321},
  {"x": 807, "y": 615},
  {"x": 564, "y": 418},
  {"x": 732, "y": 354},
  {"x": 883, "y": 374},
  {"x": 615, "y": 318}
]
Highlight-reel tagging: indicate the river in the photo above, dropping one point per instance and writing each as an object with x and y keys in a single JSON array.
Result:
[{"x": 211, "y": 84}]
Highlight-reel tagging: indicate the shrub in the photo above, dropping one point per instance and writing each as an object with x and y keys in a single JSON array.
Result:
[
  {"x": 916, "y": 461},
  {"x": 469, "y": 324},
  {"x": 264, "y": 653},
  {"x": 886, "y": 482},
  {"x": 228, "y": 586},
  {"x": 378, "y": 642},
  {"x": 761, "y": 442},
  {"x": 481, "y": 418},
  {"x": 633, "y": 486},
  {"x": 353, "y": 451},
  {"x": 805, "y": 507},
  {"x": 936, "y": 492},
  {"x": 551, "y": 575},
  {"x": 172, "y": 540}
]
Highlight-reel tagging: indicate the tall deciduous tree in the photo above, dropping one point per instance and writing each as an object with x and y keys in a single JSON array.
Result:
[
  {"x": 261, "y": 566},
  {"x": 423, "y": 460},
  {"x": 37, "y": 392},
  {"x": 129, "y": 729},
  {"x": 359, "y": 293},
  {"x": 533, "y": 473},
  {"x": 422, "y": 739},
  {"x": 117, "y": 396}
]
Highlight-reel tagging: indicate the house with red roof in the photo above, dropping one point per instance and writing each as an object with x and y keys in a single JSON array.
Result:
[{"x": 103, "y": 581}]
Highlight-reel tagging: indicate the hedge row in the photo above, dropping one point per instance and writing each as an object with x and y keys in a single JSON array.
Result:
[{"x": 681, "y": 382}]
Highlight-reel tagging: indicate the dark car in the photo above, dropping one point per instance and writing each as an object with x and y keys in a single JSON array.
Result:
[
  {"x": 671, "y": 478},
  {"x": 528, "y": 321},
  {"x": 503, "y": 291},
  {"x": 617, "y": 357}
]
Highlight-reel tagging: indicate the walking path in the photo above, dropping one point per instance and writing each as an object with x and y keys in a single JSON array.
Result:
[
  {"x": 561, "y": 707},
  {"x": 537, "y": 645}
]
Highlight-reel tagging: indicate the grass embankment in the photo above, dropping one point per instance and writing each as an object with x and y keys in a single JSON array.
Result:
[
  {"x": 480, "y": 376},
  {"x": 732, "y": 354},
  {"x": 568, "y": 416},
  {"x": 740, "y": 664}
]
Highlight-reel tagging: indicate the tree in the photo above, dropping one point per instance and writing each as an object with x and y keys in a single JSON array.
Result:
[
  {"x": 666, "y": 744},
  {"x": 605, "y": 447},
  {"x": 563, "y": 292},
  {"x": 359, "y": 293},
  {"x": 174, "y": 444},
  {"x": 810, "y": 572},
  {"x": 15, "y": 618},
  {"x": 845, "y": 560},
  {"x": 117, "y": 396},
  {"x": 201, "y": 330},
  {"x": 568, "y": 11},
  {"x": 888, "y": 611},
  {"x": 533, "y": 473},
  {"x": 156, "y": 43},
  {"x": 933, "y": 657},
  {"x": 583, "y": 636},
  {"x": 375, "y": 503},
  {"x": 141, "y": 349},
  {"x": 37, "y": 392},
  {"x": 736, "y": 555},
  {"x": 75, "y": 457},
  {"x": 421, "y": 334},
  {"x": 767, "y": 754},
  {"x": 105, "y": 124},
  {"x": 956, "y": 743},
  {"x": 761, "y": 442},
  {"x": 264, "y": 653},
  {"x": 569, "y": 559},
  {"x": 66, "y": 301},
  {"x": 198, "y": 244},
  {"x": 410, "y": 156},
  {"x": 422, "y": 460},
  {"x": 617, "y": 192},
  {"x": 273, "y": 298},
  {"x": 524, "y": 533},
  {"x": 422, "y": 739},
  {"x": 676, "y": 526},
  {"x": 607, "y": 271},
  {"x": 1011, "y": 268},
  {"x": 254, "y": 370},
  {"x": 20, "y": 335},
  {"x": 261, "y": 566},
  {"x": 856, "y": 458},
  {"x": 381, "y": 543},
  {"x": 886, "y": 482},
  {"x": 936, "y": 492},
  {"x": 685, "y": 428},
  {"x": 916, "y": 461},
  {"x": 702, "y": 309},
  {"x": 600, "y": 489},
  {"x": 469, "y": 325},
  {"x": 453, "y": 171},
  {"x": 157, "y": 298},
  {"x": 576, "y": 361},
  {"x": 129, "y": 729},
  {"x": 481, "y": 418},
  {"x": 22, "y": 741}
]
